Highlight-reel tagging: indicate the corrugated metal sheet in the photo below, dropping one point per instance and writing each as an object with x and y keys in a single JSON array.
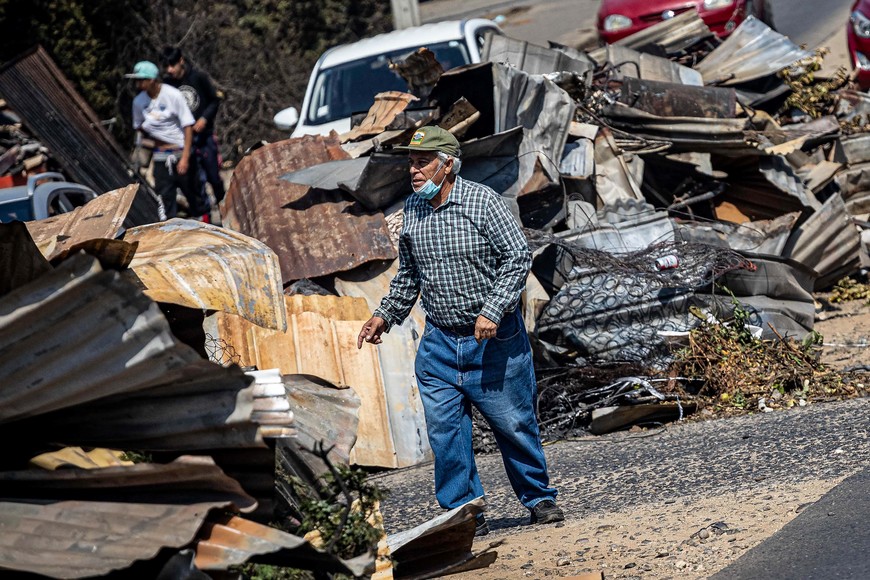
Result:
[
  {"x": 678, "y": 100},
  {"x": 827, "y": 242},
  {"x": 375, "y": 181},
  {"x": 100, "y": 218},
  {"x": 751, "y": 52},
  {"x": 697, "y": 134},
  {"x": 321, "y": 341},
  {"x": 313, "y": 232},
  {"x": 134, "y": 512},
  {"x": 61, "y": 540},
  {"x": 673, "y": 35},
  {"x": 60, "y": 118},
  {"x": 203, "y": 266},
  {"x": 131, "y": 383},
  {"x": 226, "y": 541},
  {"x": 530, "y": 58}
]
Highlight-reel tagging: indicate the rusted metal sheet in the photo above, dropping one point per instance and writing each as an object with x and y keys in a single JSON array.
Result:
[
  {"x": 677, "y": 100},
  {"x": 227, "y": 540},
  {"x": 203, "y": 266},
  {"x": 60, "y": 539},
  {"x": 126, "y": 382},
  {"x": 383, "y": 112},
  {"x": 53, "y": 110},
  {"x": 449, "y": 535},
  {"x": 321, "y": 341},
  {"x": 698, "y": 134},
  {"x": 141, "y": 509},
  {"x": 20, "y": 260},
  {"x": 827, "y": 242},
  {"x": 313, "y": 232},
  {"x": 100, "y": 218},
  {"x": 751, "y": 52}
]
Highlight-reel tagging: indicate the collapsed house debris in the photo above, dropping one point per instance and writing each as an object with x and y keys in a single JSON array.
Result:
[{"x": 664, "y": 184}]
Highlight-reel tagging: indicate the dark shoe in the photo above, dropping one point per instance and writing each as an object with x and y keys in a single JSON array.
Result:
[
  {"x": 547, "y": 512},
  {"x": 482, "y": 526}
]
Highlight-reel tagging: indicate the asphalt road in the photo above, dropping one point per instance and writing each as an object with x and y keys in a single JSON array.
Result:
[
  {"x": 600, "y": 475},
  {"x": 809, "y": 23}
]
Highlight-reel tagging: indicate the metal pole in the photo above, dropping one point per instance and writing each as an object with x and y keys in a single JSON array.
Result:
[{"x": 406, "y": 13}]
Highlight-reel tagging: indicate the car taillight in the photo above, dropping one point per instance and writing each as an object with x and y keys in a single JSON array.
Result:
[{"x": 860, "y": 24}]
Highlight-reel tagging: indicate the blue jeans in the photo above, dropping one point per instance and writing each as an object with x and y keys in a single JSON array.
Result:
[{"x": 497, "y": 377}]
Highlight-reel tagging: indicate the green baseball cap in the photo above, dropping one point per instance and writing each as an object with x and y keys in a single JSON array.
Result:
[
  {"x": 433, "y": 138},
  {"x": 144, "y": 70}
]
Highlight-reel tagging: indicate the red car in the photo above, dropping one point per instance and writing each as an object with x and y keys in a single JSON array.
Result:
[
  {"x": 858, "y": 34},
  {"x": 620, "y": 18}
]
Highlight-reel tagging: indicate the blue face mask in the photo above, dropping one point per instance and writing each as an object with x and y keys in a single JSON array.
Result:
[{"x": 429, "y": 190}]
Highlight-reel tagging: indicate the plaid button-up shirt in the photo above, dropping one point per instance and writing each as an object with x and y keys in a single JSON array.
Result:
[{"x": 466, "y": 257}]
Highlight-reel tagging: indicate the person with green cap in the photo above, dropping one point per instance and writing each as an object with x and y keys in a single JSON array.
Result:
[
  {"x": 161, "y": 114},
  {"x": 465, "y": 255}
]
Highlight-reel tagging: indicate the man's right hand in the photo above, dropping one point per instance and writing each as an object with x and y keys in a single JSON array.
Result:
[{"x": 372, "y": 331}]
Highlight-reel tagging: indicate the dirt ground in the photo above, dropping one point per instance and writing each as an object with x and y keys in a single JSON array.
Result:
[{"x": 665, "y": 540}]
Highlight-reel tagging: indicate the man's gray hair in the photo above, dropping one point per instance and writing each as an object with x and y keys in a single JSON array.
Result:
[{"x": 457, "y": 162}]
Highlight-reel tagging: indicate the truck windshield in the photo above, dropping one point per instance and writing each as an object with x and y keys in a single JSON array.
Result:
[{"x": 351, "y": 87}]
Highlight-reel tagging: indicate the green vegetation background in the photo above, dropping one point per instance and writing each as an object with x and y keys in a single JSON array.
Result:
[{"x": 258, "y": 53}]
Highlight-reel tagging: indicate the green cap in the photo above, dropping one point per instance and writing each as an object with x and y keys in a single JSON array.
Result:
[
  {"x": 144, "y": 70},
  {"x": 433, "y": 139}
]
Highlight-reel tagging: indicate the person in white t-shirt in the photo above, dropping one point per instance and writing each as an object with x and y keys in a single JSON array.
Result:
[{"x": 161, "y": 114}]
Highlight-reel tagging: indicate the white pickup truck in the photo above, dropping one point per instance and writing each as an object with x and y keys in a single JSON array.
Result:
[{"x": 346, "y": 78}]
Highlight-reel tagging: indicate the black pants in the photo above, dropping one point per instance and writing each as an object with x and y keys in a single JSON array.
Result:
[
  {"x": 208, "y": 155},
  {"x": 167, "y": 182}
]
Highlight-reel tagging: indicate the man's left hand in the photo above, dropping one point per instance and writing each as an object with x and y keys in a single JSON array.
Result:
[
  {"x": 484, "y": 328},
  {"x": 181, "y": 167}
]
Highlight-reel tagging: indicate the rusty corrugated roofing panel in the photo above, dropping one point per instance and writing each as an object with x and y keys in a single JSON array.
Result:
[
  {"x": 752, "y": 51},
  {"x": 130, "y": 380},
  {"x": 187, "y": 478},
  {"x": 61, "y": 540},
  {"x": 102, "y": 217},
  {"x": 226, "y": 541},
  {"x": 135, "y": 512},
  {"x": 203, "y": 266},
  {"x": 313, "y": 232},
  {"x": 53, "y": 110}
]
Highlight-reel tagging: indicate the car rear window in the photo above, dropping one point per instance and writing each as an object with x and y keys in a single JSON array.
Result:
[{"x": 349, "y": 88}]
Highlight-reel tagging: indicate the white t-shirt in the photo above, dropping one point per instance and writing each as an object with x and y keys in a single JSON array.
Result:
[{"x": 164, "y": 117}]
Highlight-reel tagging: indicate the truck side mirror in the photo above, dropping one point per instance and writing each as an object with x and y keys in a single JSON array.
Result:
[{"x": 285, "y": 120}]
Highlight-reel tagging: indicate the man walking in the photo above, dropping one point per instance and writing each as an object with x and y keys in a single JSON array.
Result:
[
  {"x": 203, "y": 100},
  {"x": 462, "y": 251},
  {"x": 161, "y": 114}
]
